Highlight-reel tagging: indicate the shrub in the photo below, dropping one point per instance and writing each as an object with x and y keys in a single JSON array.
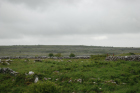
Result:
[
  {"x": 44, "y": 87},
  {"x": 131, "y": 53},
  {"x": 72, "y": 55},
  {"x": 51, "y": 55},
  {"x": 20, "y": 79}
]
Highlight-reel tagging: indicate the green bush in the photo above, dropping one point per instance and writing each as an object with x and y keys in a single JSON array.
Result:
[
  {"x": 131, "y": 53},
  {"x": 20, "y": 79},
  {"x": 51, "y": 55},
  {"x": 43, "y": 87},
  {"x": 72, "y": 55}
]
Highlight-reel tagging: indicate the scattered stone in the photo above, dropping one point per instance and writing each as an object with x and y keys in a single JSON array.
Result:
[
  {"x": 36, "y": 79},
  {"x": 8, "y": 60},
  {"x": 69, "y": 61},
  {"x": 45, "y": 78},
  {"x": 49, "y": 78},
  {"x": 8, "y": 70},
  {"x": 70, "y": 80},
  {"x": 110, "y": 81},
  {"x": 31, "y": 72},
  {"x": 114, "y": 82},
  {"x": 14, "y": 73},
  {"x": 27, "y": 60},
  {"x": 94, "y": 82},
  {"x": 79, "y": 80},
  {"x": 7, "y": 63},
  {"x": 26, "y": 74},
  {"x": 4, "y": 69}
]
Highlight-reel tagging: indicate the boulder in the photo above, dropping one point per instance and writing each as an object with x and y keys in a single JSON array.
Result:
[
  {"x": 8, "y": 60},
  {"x": 14, "y": 73},
  {"x": 4, "y": 70},
  {"x": 31, "y": 72},
  {"x": 36, "y": 79},
  {"x": 8, "y": 70},
  {"x": 7, "y": 63}
]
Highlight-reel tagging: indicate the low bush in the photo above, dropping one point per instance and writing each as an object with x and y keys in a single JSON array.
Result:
[
  {"x": 131, "y": 53},
  {"x": 72, "y": 55},
  {"x": 44, "y": 87}
]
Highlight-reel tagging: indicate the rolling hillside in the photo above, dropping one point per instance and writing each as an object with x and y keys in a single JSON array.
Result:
[{"x": 65, "y": 50}]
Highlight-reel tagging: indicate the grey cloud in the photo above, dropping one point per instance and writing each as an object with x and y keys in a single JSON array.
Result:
[
  {"x": 41, "y": 3},
  {"x": 30, "y": 3},
  {"x": 62, "y": 18}
]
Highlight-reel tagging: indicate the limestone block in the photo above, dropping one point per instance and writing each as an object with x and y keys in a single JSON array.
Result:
[{"x": 31, "y": 72}]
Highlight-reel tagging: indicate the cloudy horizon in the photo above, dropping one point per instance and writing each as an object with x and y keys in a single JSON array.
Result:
[{"x": 70, "y": 22}]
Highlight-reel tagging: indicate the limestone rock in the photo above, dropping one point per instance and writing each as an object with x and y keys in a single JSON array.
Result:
[
  {"x": 36, "y": 79},
  {"x": 31, "y": 72}
]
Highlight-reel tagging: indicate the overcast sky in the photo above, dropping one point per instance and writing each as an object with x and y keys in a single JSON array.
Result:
[{"x": 70, "y": 22}]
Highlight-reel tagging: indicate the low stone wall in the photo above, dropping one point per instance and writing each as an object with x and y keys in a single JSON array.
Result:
[
  {"x": 126, "y": 58},
  {"x": 45, "y": 57}
]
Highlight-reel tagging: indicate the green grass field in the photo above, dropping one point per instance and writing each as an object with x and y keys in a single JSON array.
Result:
[{"x": 72, "y": 76}]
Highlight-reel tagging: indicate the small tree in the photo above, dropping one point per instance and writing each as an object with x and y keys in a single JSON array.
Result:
[
  {"x": 50, "y": 55},
  {"x": 58, "y": 55},
  {"x": 72, "y": 55}
]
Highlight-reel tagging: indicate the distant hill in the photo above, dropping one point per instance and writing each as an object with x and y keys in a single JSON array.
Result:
[{"x": 65, "y": 50}]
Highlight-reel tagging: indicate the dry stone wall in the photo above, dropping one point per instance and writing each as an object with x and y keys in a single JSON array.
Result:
[
  {"x": 45, "y": 57},
  {"x": 126, "y": 58}
]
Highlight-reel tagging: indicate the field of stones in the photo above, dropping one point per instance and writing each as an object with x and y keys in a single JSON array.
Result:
[{"x": 94, "y": 75}]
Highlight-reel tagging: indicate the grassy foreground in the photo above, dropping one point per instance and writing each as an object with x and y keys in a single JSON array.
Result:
[{"x": 72, "y": 76}]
